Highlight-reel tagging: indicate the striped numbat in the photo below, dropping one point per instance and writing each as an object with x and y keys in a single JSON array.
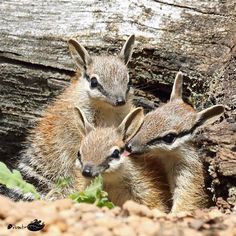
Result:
[
  {"x": 168, "y": 134},
  {"x": 125, "y": 178},
  {"x": 101, "y": 89}
]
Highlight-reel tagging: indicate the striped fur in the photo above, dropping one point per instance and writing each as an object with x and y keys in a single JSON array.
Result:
[
  {"x": 51, "y": 148},
  {"x": 167, "y": 133},
  {"x": 125, "y": 178}
]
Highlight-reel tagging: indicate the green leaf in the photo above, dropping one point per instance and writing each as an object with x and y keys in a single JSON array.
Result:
[
  {"x": 107, "y": 204},
  {"x": 93, "y": 194},
  {"x": 17, "y": 174},
  {"x": 14, "y": 180},
  {"x": 95, "y": 187}
]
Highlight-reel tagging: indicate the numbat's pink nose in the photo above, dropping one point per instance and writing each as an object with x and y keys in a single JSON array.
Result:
[{"x": 126, "y": 153}]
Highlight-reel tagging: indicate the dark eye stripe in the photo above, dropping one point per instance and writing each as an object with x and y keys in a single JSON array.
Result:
[
  {"x": 154, "y": 141},
  {"x": 179, "y": 135},
  {"x": 87, "y": 77},
  {"x": 108, "y": 160},
  {"x": 102, "y": 90},
  {"x": 106, "y": 163},
  {"x": 99, "y": 86}
]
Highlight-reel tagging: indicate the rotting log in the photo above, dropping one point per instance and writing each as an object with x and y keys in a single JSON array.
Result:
[{"x": 197, "y": 37}]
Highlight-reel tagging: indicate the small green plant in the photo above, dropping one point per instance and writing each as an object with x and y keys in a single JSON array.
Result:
[
  {"x": 93, "y": 194},
  {"x": 61, "y": 183},
  {"x": 14, "y": 180}
]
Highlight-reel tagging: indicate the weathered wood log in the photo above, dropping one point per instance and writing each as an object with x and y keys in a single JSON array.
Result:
[{"x": 197, "y": 37}]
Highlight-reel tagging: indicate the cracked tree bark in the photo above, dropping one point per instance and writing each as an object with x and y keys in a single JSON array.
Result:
[{"x": 197, "y": 37}]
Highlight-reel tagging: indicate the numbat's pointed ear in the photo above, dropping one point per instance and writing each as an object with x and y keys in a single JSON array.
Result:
[
  {"x": 131, "y": 123},
  {"x": 177, "y": 87},
  {"x": 87, "y": 127},
  {"x": 79, "y": 54},
  {"x": 127, "y": 49},
  {"x": 209, "y": 115}
]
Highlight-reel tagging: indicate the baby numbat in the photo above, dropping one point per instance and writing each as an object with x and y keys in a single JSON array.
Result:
[
  {"x": 125, "y": 178},
  {"x": 167, "y": 133},
  {"x": 101, "y": 89}
]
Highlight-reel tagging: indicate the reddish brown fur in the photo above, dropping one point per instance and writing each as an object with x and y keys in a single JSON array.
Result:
[
  {"x": 140, "y": 179},
  {"x": 176, "y": 116},
  {"x": 181, "y": 160},
  {"x": 53, "y": 144}
]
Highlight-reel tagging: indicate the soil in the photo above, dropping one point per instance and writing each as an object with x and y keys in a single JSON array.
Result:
[{"x": 63, "y": 217}]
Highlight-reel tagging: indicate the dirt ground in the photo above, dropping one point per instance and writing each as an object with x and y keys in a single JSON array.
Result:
[{"x": 63, "y": 217}]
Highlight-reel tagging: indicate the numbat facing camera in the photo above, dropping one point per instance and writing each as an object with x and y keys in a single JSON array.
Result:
[
  {"x": 124, "y": 178},
  {"x": 101, "y": 90},
  {"x": 167, "y": 133}
]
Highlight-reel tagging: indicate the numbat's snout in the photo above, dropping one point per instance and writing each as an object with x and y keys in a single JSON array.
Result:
[{"x": 105, "y": 78}]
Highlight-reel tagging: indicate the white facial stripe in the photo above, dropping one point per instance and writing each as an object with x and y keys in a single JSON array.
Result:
[
  {"x": 115, "y": 164},
  {"x": 178, "y": 142}
]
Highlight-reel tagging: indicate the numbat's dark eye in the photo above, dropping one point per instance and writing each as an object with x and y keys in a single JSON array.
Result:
[
  {"x": 169, "y": 138},
  {"x": 93, "y": 82},
  {"x": 116, "y": 154}
]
